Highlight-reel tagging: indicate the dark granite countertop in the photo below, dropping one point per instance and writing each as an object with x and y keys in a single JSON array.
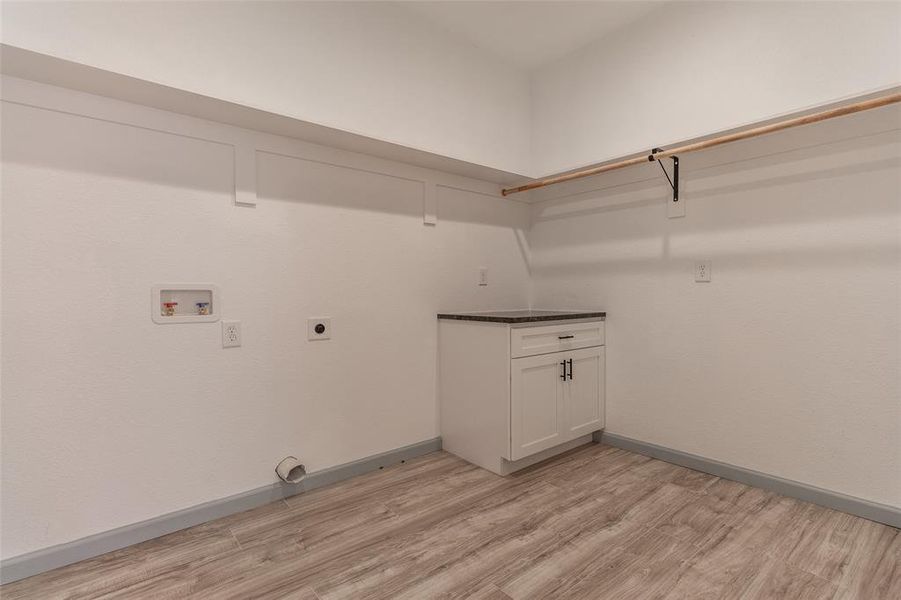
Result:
[{"x": 523, "y": 316}]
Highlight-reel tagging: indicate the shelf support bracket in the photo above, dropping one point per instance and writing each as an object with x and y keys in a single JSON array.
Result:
[
  {"x": 245, "y": 175},
  {"x": 674, "y": 182}
]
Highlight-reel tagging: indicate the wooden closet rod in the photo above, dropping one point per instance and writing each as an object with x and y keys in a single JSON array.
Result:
[{"x": 716, "y": 141}]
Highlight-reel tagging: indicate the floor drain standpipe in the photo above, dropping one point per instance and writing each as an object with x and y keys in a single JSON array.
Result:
[{"x": 290, "y": 470}]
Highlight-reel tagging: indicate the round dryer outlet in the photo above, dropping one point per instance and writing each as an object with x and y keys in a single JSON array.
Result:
[{"x": 319, "y": 328}]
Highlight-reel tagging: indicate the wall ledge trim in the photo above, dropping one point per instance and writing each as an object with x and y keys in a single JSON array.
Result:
[
  {"x": 30, "y": 65},
  {"x": 874, "y": 511},
  {"x": 39, "y": 561}
]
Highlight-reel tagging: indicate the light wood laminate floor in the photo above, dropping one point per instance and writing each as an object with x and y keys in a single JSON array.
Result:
[{"x": 597, "y": 522}]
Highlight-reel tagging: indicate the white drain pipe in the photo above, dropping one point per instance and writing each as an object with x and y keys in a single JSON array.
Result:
[{"x": 290, "y": 470}]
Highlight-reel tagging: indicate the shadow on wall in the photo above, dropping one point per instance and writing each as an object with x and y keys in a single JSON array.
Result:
[
  {"x": 713, "y": 172},
  {"x": 801, "y": 207},
  {"x": 309, "y": 181},
  {"x": 70, "y": 142}
]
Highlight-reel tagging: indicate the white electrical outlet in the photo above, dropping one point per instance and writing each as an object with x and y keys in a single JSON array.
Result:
[
  {"x": 483, "y": 275},
  {"x": 702, "y": 271},
  {"x": 231, "y": 334},
  {"x": 319, "y": 328}
]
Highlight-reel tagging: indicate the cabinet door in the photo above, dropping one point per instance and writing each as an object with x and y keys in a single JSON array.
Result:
[
  {"x": 537, "y": 411},
  {"x": 584, "y": 392}
]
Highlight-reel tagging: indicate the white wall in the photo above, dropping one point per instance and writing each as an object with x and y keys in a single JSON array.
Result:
[
  {"x": 686, "y": 69},
  {"x": 789, "y": 360},
  {"x": 695, "y": 68},
  {"x": 109, "y": 418},
  {"x": 365, "y": 67}
]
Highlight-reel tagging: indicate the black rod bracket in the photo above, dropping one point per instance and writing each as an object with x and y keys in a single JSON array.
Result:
[{"x": 674, "y": 182}]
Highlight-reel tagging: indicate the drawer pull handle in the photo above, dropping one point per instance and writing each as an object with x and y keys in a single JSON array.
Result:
[
  {"x": 563, "y": 364},
  {"x": 565, "y": 337},
  {"x": 570, "y": 361}
]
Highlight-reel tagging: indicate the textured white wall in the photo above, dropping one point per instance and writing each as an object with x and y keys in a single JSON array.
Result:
[
  {"x": 364, "y": 67},
  {"x": 788, "y": 361},
  {"x": 693, "y": 68},
  {"x": 109, "y": 418},
  {"x": 686, "y": 69}
]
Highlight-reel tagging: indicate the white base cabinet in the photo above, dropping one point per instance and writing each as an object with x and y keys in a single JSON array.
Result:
[
  {"x": 511, "y": 395},
  {"x": 555, "y": 398}
]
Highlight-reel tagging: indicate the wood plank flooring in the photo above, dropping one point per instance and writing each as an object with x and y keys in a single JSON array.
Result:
[{"x": 595, "y": 523}]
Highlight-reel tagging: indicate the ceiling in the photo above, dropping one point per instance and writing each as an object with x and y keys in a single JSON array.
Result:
[{"x": 530, "y": 34}]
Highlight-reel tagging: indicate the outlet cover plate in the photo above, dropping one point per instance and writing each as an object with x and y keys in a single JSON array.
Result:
[
  {"x": 702, "y": 271},
  {"x": 325, "y": 322},
  {"x": 231, "y": 334}
]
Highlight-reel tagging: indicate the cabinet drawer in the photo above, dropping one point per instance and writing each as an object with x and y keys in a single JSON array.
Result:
[{"x": 529, "y": 341}]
